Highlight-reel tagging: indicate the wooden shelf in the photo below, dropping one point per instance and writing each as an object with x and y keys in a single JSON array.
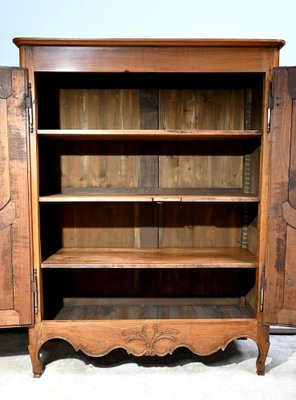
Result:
[
  {"x": 146, "y": 134},
  {"x": 151, "y": 258},
  {"x": 149, "y": 194},
  {"x": 153, "y": 308}
]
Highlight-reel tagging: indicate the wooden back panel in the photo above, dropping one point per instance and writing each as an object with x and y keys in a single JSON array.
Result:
[
  {"x": 131, "y": 164},
  {"x": 151, "y": 225}
]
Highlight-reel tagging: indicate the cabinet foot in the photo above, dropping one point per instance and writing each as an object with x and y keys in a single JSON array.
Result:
[
  {"x": 34, "y": 351},
  {"x": 36, "y": 361},
  {"x": 263, "y": 347}
]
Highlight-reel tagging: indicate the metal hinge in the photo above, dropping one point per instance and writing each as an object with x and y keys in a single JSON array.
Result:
[
  {"x": 29, "y": 107},
  {"x": 35, "y": 291},
  {"x": 269, "y": 107},
  {"x": 262, "y": 289}
]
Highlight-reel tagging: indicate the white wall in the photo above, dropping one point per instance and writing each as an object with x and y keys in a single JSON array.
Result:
[{"x": 263, "y": 19}]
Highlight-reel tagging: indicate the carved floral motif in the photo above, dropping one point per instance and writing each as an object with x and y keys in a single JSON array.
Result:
[{"x": 150, "y": 340}]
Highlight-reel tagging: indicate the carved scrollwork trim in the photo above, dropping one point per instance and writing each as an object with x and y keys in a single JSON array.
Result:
[{"x": 151, "y": 339}]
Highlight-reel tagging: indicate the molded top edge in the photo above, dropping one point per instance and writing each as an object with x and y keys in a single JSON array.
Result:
[{"x": 278, "y": 43}]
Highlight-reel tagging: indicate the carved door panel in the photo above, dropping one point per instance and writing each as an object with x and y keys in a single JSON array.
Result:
[
  {"x": 280, "y": 296},
  {"x": 15, "y": 230}
]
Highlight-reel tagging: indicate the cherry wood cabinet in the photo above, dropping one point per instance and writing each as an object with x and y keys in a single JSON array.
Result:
[{"x": 147, "y": 194}]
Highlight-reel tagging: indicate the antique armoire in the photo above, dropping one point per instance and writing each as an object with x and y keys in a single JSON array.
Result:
[{"x": 147, "y": 194}]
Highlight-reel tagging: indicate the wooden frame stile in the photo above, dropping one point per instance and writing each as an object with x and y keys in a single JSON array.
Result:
[
  {"x": 152, "y": 335},
  {"x": 27, "y": 58},
  {"x": 263, "y": 207}
]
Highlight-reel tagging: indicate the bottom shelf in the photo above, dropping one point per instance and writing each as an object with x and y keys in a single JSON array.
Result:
[{"x": 153, "y": 308}]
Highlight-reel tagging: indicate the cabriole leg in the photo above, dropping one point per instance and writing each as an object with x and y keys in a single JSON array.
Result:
[
  {"x": 263, "y": 347},
  {"x": 34, "y": 351}
]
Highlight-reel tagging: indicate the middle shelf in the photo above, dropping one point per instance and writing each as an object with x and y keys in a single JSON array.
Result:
[
  {"x": 150, "y": 194},
  {"x": 150, "y": 258}
]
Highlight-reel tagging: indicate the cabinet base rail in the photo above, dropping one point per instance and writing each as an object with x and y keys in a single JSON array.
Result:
[{"x": 148, "y": 337}]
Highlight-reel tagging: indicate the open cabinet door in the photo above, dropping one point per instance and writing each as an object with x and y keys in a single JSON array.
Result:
[
  {"x": 280, "y": 293},
  {"x": 15, "y": 226}
]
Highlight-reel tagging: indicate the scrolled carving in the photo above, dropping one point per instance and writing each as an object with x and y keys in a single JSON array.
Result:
[
  {"x": 7, "y": 215},
  {"x": 289, "y": 214},
  {"x": 142, "y": 334}
]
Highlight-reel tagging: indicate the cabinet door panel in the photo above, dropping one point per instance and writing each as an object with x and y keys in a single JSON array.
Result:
[
  {"x": 280, "y": 297},
  {"x": 15, "y": 242}
]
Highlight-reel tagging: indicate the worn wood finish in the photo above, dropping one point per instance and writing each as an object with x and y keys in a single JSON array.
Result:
[
  {"x": 201, "y": 109},
  {"x": 200, "y": 165},
  {"x": 15, "y": 240},
  {"x": 281, "y": 255},
  {"x": 90, "y": 109}
]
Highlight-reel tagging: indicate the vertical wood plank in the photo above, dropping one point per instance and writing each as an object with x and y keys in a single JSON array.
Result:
[
  {"x": 149, "y": 117},
  {"x": 148, "y": 216}
]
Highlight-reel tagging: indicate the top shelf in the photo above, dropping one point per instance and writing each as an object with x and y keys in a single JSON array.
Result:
[{"x": 147, "y": 134}]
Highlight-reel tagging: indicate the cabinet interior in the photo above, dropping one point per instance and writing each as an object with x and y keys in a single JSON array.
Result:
[
  {"x": 158, "y": 227},
  {"x": 149, "y": 100}
]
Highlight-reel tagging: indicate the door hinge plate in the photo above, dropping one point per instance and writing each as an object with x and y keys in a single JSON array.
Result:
[
  {"x": 262, "y": 289},
  {"x": 29, "y": 107},
  {"x": 35, "y": 291},
  {"x": 269, "y": 107}
]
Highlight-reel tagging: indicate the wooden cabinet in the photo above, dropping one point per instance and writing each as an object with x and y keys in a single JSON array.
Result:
[{"x": 156, "y": 192}]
